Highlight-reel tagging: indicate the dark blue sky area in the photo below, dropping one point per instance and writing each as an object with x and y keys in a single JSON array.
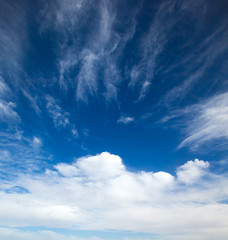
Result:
[{"x": 134, "y": 78}]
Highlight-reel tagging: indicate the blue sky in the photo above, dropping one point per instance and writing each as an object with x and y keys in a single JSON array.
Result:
[{"x": 113, "y": 118}]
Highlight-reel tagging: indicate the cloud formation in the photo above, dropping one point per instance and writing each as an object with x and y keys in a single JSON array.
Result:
[
  {"x": 18, "y": 234},
  {"x": 192, "y": 171},
  {"x": 100, "y": 50},
  {"x": 125, "y": 120},
  {"x": 99, "y": 193},
  {"x": 13, "y": 39},
  {"x": 60, "y": 118},
  {"x": 206, "y": 122}
]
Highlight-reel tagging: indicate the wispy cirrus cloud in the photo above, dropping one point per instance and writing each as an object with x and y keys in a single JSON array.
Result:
[
  {"x": 13, "y": 39},
  {"x": 61, "y": 118},
  {"x": 208, "y": 124},
  {"x": 7, "y": 107},
  {"x": 93, "y": 61},
  {"x": 154, "y": 202},
  {"x": 33, "y": 101},
  {"x": 211, "y": 49},
  {"x": 175, "y": 69},
  {"x": 204, "y": 123},
  {"x": 7, "y": 112},
  {"x": 152, "y": 45},
  {"x": 125, "y": 119},
  {"x": 62, "y": 16},
  {"x": 21, "y": 154}
]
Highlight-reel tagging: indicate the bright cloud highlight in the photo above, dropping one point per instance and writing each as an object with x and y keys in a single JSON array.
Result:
[{"x": 99, "y": 193}]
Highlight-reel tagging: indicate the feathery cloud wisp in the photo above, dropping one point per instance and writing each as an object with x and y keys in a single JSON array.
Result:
[
  {"x": 125, "y": 119},
  {"x": 209, "y": 123}
]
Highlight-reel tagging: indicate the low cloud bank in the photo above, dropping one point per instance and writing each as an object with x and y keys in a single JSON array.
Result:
[{"x": 100, "y": 193}]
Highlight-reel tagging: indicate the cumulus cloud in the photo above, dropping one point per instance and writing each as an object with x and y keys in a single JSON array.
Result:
[
  {"x": 101, "y": 166},
  {"x": 100, "y": 193},
  {"x": 192, "y": 171}
]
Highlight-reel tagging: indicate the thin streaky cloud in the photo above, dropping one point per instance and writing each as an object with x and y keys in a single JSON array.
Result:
[
  {"x": 152, "y": 44},
  {"x": 100, "y": 51},
  {"x": 4, "y": 89},
  {"x": 7, "y": 112},
  {"x": 208, "y": 54},
  {"x": 209, "y": 123},
  {"x": 204, "y": 123},
  {"x": 13, "y": 39},
  {"x": 33, "y": 101},
  {"x": 20, "y": 154},
  {"x": 125, "y": 119}
]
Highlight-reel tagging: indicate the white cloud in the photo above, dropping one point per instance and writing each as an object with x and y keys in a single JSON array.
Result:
[
  {"x": 101, "y": 166},
  {"x": 209, "y": 50},
  {"x": 192, "y": 171},
  {"x": 60, "y": 118},
  {"x": 13, "y": 39},
  {"x": 98, "y": 54},
  {"x": 20, "y": 154},
  {"x": 33, "y": 101},
  {"x": 3, "y": 87},
  {"x": 67, "y": 170},
  {"x": 37, "y": 143},
  {"x": 7, "y": 112},
  {"x": 87, "y": 76},
  {"x": 144, "y": 89},
  {"x": 151, "y": 46},
  {"x": 125, "y": 120},
  {"x": 99, "y": 193},
  {"x": 62, "y": 15},
  {"x": 74, "y": 132},
  {"x": 208, "y": 123},
  {"x": 18, "y": 234}
]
